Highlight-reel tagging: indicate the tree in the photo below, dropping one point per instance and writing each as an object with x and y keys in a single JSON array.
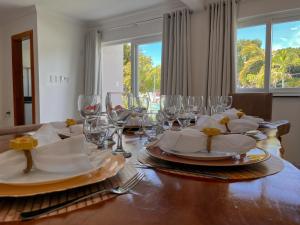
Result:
[
  {"x": 251, "y": 63},
  {"x": 285, "y": 68},
  {"x": 148, "y": 73}
]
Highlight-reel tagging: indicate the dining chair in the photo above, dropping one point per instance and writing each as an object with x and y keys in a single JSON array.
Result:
[
  {"x": 260, "y": 104},
  {"x": 254, "y": 104}
]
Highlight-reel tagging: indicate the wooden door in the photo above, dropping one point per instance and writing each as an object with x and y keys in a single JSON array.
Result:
[{"x": 17, "y": 73}]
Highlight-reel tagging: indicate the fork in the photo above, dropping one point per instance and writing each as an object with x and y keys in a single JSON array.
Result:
[{"x": 120, "y": 190}]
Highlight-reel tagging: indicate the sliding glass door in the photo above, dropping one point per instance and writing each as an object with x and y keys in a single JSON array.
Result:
[{"x": 133, "y": 66}]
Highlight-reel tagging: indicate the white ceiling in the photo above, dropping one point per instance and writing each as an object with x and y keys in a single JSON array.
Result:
[{"x": 86, "y": 10}]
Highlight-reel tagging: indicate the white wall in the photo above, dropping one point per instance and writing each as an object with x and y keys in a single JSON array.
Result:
[
  {"x": 112, "y": 68},
  {"x": 18, "y": 25},
  {"x": 283, "y": 107},
  {"x": 60, "y": 42}
]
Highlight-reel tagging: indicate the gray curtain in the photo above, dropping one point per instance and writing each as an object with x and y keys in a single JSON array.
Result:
[
  {"x": 176, "y": 58},
  {"x": 221, "y": 60},
  {"x": 92, "y": 61}
]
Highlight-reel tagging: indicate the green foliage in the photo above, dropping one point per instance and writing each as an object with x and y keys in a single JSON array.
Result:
[
  {"x": 148, "y": 73},
  {"x": 251, "y": 65}
]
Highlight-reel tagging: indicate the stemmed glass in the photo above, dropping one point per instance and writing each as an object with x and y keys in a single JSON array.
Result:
[
  {"x": 119, "y": 109},
  {"x": 151, "y": 126},
  {"x": 170, "y": 106},
  {"x": 89, "y": 105},
  {"x": 214, "y": 104},
  {"x": 96, "y": 130},
  {"x": 186, "y": 112},
  {"x": 140, "y": 107},
  {"x": 198, "y": 106},
  {"x": 226, "y": 102}
]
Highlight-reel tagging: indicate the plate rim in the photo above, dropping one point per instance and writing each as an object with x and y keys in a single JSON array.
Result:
[
  {"x": 59, "y": 179},
  {"x": 68, "y": 187},
  {"x": 198, "y": 162},
  {"x": 178, "y": 154}
]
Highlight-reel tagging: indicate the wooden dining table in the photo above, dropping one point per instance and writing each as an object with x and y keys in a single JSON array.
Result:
[{"x": 168, "y": 199}]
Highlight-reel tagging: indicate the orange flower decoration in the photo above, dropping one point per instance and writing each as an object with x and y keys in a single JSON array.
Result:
[
  {"x": 23, "y": 143},
  {"x": 210, "y": 132},
  {"x": 225, "y": 122},
  {"x": 240, "y": 114},
  {"x": 70, "y": 122},
  {"x": 26, "y": 144}
]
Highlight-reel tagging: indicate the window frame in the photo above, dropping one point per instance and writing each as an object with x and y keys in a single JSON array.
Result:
[
  {"x": 268, "y": 20},
  {"x": 135, "y": 42}
]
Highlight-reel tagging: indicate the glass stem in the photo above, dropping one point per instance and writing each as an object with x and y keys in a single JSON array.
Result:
[
  {"x": 170, "y": 122},
  {"x": 119, "y": 143}
]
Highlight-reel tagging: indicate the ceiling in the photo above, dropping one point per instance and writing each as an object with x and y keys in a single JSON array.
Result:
[{"x": 85, "y": 10}]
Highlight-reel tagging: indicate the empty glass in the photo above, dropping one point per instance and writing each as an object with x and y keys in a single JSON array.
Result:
[
  {"x": 96, "y": 130},
  {"x": 140, "y": 107},
  {"x": 151, "y": 126},
  {"x": 198, "y": 104},
  {"x": 185, "y": 114},
  {"x": 119, "y": 109},
  {"x": 170, "y": 106},
  {"x": 214, "y": 105},
  {"x": 226, "y": 102}
]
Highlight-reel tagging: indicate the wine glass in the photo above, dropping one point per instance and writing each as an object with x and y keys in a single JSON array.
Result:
[
  {"x": 151, "y": 126},
  {"x": 89, "y": 105},
  {"x": 226, "y": 102},
  {"x": 170, "y": 105},
  {"x": 140, "y": 107},
  {"x": 96, "y": 130},
  {"x": 186, "y": 111},
  {"x": 198, "y": 106},
  {"x": 214, "y": 105},
  {"x": 118, "y": 108}
]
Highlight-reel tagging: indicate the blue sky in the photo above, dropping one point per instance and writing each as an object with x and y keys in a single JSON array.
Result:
[
  {"x": 284, "y": 34},
  {"x": 153, "y": 50}
]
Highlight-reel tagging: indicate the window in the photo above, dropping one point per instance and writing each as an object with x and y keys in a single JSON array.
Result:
[
  {"x": 268, "y": 56},
  {"x": 133, "y": 66}
]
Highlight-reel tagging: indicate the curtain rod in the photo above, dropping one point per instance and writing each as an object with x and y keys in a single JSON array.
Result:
[{"x": 137, "y": 23}]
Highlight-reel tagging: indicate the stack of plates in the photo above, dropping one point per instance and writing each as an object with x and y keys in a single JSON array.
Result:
[{"x": 106, "y": 165}]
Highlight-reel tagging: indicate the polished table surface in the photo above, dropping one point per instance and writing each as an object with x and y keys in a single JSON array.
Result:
[{"x": 163, "y": 198}]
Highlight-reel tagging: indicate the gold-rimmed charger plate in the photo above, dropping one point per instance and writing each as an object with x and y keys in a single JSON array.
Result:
[
  {"x": 112, "y": 165},
  {"x": 252, "y": 157}
]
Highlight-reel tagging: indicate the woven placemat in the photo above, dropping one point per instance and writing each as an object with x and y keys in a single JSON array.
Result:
[
  {"x": 10, "y": 208},
  {"x": 236, "y": 173}
]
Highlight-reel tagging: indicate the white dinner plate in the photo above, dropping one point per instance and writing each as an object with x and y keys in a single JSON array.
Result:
[
  {"x": 213, "y": 155},
  {"x": 38, "y": 177}
]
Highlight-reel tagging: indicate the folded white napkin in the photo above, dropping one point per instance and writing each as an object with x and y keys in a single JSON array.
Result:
[
  {"x": 209, "y": 122},
  {"x": 76, "y": 129},
  {"x": 235, "y": 125},
  {"x": 51, "y": 155},
  {"x": 73, "y": 130},
  {"x": 191, "y": 140},
  {"x": 232, "y": 114},
  {"x": 242, "y": 125}
]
